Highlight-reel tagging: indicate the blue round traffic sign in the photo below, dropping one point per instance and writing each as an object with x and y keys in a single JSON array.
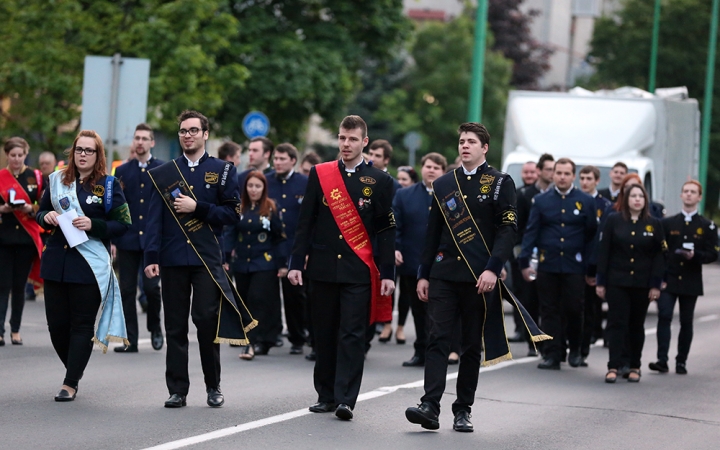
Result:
[{"x": 255, "y": 124}]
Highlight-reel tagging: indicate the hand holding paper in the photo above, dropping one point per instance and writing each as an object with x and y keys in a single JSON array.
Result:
[{"x": 73, "y": 235}]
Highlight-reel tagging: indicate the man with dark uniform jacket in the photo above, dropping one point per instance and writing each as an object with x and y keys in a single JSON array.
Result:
[
  {"x": 184, "y": 274},
  {"x": 340, "y": 289},
  {"x": 137, "y": 187},
  {"x": 692, "y": 241},
  {"x": 449, "y": 285},
  {"x": 617, "y": 173}
]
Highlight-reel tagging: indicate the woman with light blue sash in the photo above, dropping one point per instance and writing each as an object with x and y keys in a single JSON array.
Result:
[{"x": 79, "y": 279}]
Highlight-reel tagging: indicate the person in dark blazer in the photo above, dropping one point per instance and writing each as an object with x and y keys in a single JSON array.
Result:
[
  {"x": 617, "y": 174},
  {"x": 259, "y": 152},
  {"x": 287, "y": 188},
  {"x": 562, "y": 227},
  {"x": 258, "y": 261},
  {"x": 343, "y": 301},
  {"x": 692, "y": 241},
  {"x": 73, "y": 290},
  {"x": 137, "y": 187},
  {"x": 411, "y": 206},
  {"x": 630, "y": 268}
]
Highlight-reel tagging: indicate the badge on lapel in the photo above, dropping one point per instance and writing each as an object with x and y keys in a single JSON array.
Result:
[
  {"x": 487, "y": 179},
  {"x": 65, "y": 203},
  {"x": 211, "y": 177},
  {"x": 98, "y": 190}
]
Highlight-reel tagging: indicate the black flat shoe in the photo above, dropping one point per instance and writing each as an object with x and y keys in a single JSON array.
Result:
[
  {"x": 462, "y": 422},
  {"x": 157, "y": 340},
  {"x": 415, "y": 361},
  {"x": 64, "y": 396},
  {"x": 261, "y": 349},
  {"x": 2, "y": 341},
  {"x": 659, "y": 366},
  {"x": 575, "y": 360},
  {"x": 424, "y": 415},
  {"x": 385, "y": 340},
  {"x": 343, "y": 412},
  {"x": 215, "y": 399},
  {"x": 322, "y": 407},
  {"x": 16, "y": 341},
  {"x": 312, "y": 356},
  {"x": 549, "y": 364},
  {"x": 399, "y": 341},
  {"x": 680, "y": 369},
  {"x": 175, "y": 401},
  {"x": 296, "y": 350},
  {"x": 129, "y": 349}
]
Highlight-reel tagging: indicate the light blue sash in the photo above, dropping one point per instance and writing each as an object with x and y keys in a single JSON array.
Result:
[{"x": 111, "y": 326}]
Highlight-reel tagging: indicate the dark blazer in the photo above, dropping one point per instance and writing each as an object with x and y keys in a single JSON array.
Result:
[
  {"x": 165, "y": 243},
  {"x": 631, "y": 253},
  {"x": 683, "y": 276},
  {"x": 330, "y": 258},
  {"x": 257, "y": 243},
  {"x": 495, "y": 216},
  {"x": 11, "y": 232},
  {"x": 137, "y": 188},
  {"x": 603, "y": 208},
  {"x": 411, "y": 206},
  {"x": 606, "y": 195},
  {"x": 524, "y": 202},
  {"x": 64, "y": 264},
  {"x": 562, "y": 227},
  {"x": 288, "y": 194}
]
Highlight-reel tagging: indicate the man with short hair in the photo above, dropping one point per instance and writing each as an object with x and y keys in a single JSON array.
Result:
[
  {"x": 230, "y": 151},
  {"x": 309, "y": 159},
  {"x": 692, "y": 241},
  {"x": 617, "y": 173},
  {"x": 194, "y": 196},
  {"x": 411, "y": 207},
  {"x": 259, "y": 151},
  {"x": 592, "y": 313},
  {"x": 347, "y": 206},
  {"x": 287, "y": 188},
  {"x": 137, "y": 187},
  {"x": 380, "y": 152},
  {"x": 529, "y": 173},
  {"x": 46, "y": 163},
  {"x": 562, "y": 226}
]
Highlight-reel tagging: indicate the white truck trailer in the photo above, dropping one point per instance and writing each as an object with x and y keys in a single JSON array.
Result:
[{"x": 657, "y": 136}]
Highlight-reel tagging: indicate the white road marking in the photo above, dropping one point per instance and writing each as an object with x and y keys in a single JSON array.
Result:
[{"x": 379, "y": 392}]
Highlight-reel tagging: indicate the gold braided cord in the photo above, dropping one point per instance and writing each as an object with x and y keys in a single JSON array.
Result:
[{"x": 503, "y": 358}]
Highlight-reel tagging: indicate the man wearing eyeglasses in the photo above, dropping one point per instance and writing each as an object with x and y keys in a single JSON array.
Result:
[
  {"x": 137, "y": 187},
  {"x": 195, "y": 195}
]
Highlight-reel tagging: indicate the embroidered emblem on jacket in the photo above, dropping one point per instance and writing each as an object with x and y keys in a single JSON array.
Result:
[
  {"x": 368, "y": 180},
  {"x": 98, "y": 190},
  {"x": 487, "y": 179},
  {"x": 212, "y": 177}
]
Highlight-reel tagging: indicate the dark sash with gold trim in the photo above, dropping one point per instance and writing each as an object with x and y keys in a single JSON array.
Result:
[
  {"x": 474, "y": 250},
  {"x": 353, "y": 230},
  {"x": 7, "y": 182},
  {"x": 234, "y": 319}
]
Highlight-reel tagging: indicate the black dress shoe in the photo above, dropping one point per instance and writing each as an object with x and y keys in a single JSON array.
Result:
[
  {"x": 296, "y": 350},
  {"x": 64, "y": 396},
  {"x": 549, "y": 364},
  {"x": 462, "y": 422},
  {"x": 575, "y": 360},
  {"x": 680, "y": 369},
  {"x": 260, "y": 349},
  {"x": 312, "y": 356},
  {"x": 660, "y": 366},
  {"x": 175, "y": 401},
  {"x": 132, "y": 348},
  {"x": 157, "y": 340},
  {"x": 343, "y": 412},
  {"x": 322, "y": 407},
  {"x": 415, "y": 361},
  {"x": 517, "y": 337},
  {"x": 215, "y": 398},
  {"x": 424, "y": 415},
  {"x": 279, "y": 341},
  {"x": 583, "y": 361},
  {"x": 2, "y": 341}
]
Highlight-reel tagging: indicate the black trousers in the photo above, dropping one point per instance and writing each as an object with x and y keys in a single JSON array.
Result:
[
  {"x": 627, "y": 308},
  {"x": 408, "y": 287},
  {"x": 592, "y": 319},
  {"x": 15, "y": 264},
  {"x": 178, "y": 284},
  {"x": 340, "y": 319},
  {"x": 526, "y": 292},
  {"x": 261, "y": 293},
  {"x": 666, "y": 305},
  {"x": 294, "y": 299},
  {"x": 561, "y": 311},
  {"x": 129, "y": 263},
  {"x": 407, "y": 292},
  {"x": 448, "y": 303},
  {"x": 70, "y": 309}
]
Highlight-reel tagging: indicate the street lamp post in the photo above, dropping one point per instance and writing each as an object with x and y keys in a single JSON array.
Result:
[
  {"x": 476, "y": 82},
  {"x": 707, "y": 102},
  {"x": 654, "y": 48}
]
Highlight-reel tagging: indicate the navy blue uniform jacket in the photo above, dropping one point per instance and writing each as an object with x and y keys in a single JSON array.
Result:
[
  {"x": 411, "y": 206},
  {"x": 257, "y": 242},
  {"x": 288, "y": 194}
]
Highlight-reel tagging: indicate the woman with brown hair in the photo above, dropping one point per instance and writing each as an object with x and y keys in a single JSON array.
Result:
[
  {"x": 78, "y": 274},
  {"x": 20, "y": 244},
  {"x": 257, "y": 261},
  {"x": 630, "y": 268}
]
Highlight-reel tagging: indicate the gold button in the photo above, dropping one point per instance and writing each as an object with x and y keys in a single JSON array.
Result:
[
  {"x": 142, "y": 200},
  {"x": 17, "y": 227},
  {"x": 340, "y": 237},
  {"x": 188, "y": 241},
  {"x": 562, "y": 211},
  {"x": 248, "y": 232},
  {"x": 339, "y": 256},
  {"x": 192, "y": 169},
  {"x": 632, "y": 233},
  {"x": 283, "y": 210},
  {"x": 632, "y": 246},
  {"x": 140, "y": 233},
  {"x": 142, "y": 170},
  {"x": 464, "y": 196},
  {"x": 632, "y": 272},
  {"x": 429, "y": 208},
  {"x": 469, "y": 177},
  {"x": 349, "y": 174},
  {"x": 682, "y": 263},
  {"x": 459, "y": 258},
  {"x": 632, "y": 260},
  {"x": 142, "y": 185},
  {"x": 284, "y": 195},
  {"x": 140, "y": 217},
  {"x": 562, "y": 253},
  {"x": 680, "y": 277},
  {"x": 562, "y": 224},
  {"x": 248, "y": 259},
  {"x": 192, "y": 187},
  {"x": 249, "y": 221},
  {"x": 248, "y": 245},
  {"x": 562, "y": 239},
  {"x": 563, "y": 197},
  {"x": 65, "y": 247}
]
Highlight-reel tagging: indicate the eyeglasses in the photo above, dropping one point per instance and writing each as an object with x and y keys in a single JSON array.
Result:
[
  {"x": 192, "y": 131},
  {"x": 87, "y": 151},
  {"x": 142, "y": 138}
]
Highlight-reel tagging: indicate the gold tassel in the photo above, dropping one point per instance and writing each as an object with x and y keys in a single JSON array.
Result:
[
  {"x": 492, "y": 362},
  {"x": 541, "y": 337},
  {"x": 219, "y": 340},
  {"x": 251, "y": 325},
  {"x": 100, "y": 344}
]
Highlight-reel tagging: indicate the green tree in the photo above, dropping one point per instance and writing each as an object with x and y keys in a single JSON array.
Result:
[
  {"x": 621, "y": 54},
  {"x": 433, "y": 99}
]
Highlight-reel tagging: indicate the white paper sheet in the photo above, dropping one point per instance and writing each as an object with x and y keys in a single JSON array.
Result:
[{"x": 73, "y": 235}]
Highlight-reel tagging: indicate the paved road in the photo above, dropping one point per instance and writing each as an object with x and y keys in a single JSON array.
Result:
[{"x": 119, "y": 404}]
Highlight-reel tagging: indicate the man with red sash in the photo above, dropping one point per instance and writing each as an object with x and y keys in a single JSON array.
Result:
[{"x": 347, "y": 207}]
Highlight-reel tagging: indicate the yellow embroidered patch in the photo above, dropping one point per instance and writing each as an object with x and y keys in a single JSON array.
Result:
[
  {"x": 485, "y": 189},
  {"x": 368, "y": 180},
  {"x": 578, "y": 205},
  {"x": 367, "y": 192},
  {"x": 268, "y": 257},
  {"x": 487, "y": 179},
  {"x": 700, "y": 231},
  {"x": 212, "y": 177},
  {"x": 98, "y": 190},
  {"x": 335, "y": 194},
  {"x": 508, "y": 217},
  {"x": 649, "y": 228}
]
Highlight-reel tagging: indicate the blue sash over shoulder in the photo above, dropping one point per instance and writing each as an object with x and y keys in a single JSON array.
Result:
[{"x": 111, "y": 326}]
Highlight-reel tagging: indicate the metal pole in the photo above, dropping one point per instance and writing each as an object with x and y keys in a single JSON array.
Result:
[
  {"x": 654, "y": 48},
  {"x": 476, "y": 82},
  {"x": 111, "y": 140},
  {"x": 707, "y": 102},
  {"x": 571, "y": 49}
]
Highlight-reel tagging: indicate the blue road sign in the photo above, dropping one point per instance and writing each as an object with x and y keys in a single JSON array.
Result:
[{"x": 255, "y": 124}]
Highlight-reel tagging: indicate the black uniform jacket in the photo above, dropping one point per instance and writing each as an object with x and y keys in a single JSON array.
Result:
[
  {"x": 631, "y": 253},
  {"x": 683, "y": 276},
  {"x": 257, "y": 242},
  {"x": 11, "y": 232},
  {"x": 330, "y": 258},
  {"x": 524, "y": 202},
  {"x": 495, "y": 215},
  {"x": 64, "y": 264}
]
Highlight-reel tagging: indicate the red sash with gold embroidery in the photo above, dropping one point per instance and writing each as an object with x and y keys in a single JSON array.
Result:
[
  {"x": 7, "y": 182},
  {"x": 353, "y": 230}
]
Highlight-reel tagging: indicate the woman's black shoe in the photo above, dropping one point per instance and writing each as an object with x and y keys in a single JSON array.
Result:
[
  {"x": 385, "y": 339},
  {"x": 64, "y": 396}
]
